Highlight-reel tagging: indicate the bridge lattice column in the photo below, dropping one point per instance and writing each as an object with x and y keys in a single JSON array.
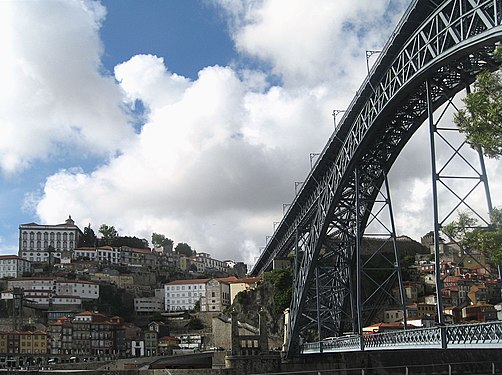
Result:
[{"x": 458, "y": 177}]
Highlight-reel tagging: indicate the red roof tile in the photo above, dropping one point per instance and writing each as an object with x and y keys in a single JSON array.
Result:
[
  {"x": 10, "y": 257},
  {"x": 189, "y": 281}
]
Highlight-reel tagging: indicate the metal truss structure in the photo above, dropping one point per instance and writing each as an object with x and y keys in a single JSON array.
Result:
[{"x": 436, "y": 51}]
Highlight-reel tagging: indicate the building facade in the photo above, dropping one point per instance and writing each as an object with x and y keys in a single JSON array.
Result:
[
  {"x": 23, "y": 342},
  {"x": 210, "y": 263},
  {"x": 49, "y": 291},
  {"x": 44, "y": 243},
  {"x": 183, "y": 294},
  {"x": 217, "y": 296},
  {"x": 13, "y": 266},
  {"x": 212, "y": 294},
  {"x": 148, "y": 305},
  {"x": 241, "y": 285},
  {"x": 88, "y": 335}
]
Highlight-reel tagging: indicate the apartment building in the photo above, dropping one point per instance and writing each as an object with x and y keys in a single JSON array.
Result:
[
  {"x": 241, "y": 285},
  {"x": 217, "y": 296},
  {"x": 108, "y": 255},
  {"x": 137, "y": 257},
  {"x": 85, "y": 253},
  {"x": 148, "y": 305},
  {"x": 13, "y": 266},
  {"x": 210, "y": 263},
  {"x": 39, "y": 284},
  {"x": 23, "y": 342},
  {"x": 82, "y": 289},
  {"x": 88, "y": 335},
  {"x": 49, "y": 291},
  {"x": 212, "y": 294},
  {"x": 183, "y": 294}
]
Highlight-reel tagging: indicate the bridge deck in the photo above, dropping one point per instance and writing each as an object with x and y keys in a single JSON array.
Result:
[{"x": 468, "y": 336}]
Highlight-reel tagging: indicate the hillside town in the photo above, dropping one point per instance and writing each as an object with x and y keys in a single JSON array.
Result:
[{"x": 66, "y": 300}]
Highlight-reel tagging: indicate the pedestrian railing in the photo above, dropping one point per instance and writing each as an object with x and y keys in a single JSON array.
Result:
[{"x": 479, "y": 335}]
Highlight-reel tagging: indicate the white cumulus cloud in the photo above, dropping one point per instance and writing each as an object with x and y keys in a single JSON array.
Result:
[
  {"x": 217, "y": 156},
  {"x": 53, "y": 95}
]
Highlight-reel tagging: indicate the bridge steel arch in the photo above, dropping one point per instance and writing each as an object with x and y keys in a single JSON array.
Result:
[{"x": 435, "y": 51}]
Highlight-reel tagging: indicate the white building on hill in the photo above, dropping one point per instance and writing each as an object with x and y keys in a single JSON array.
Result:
[
  {"x": 41, "y": 243},
  {"x": 13, "y": 266},
  {"x": 181, "y": 295},
  {"x": 51, "y": 291}
]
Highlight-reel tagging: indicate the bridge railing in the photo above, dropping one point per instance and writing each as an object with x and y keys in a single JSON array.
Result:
[
  {"x": 412, "y": 338},
  {"x": 482, "y": 334},
  {"x": 477, "y": 335}
]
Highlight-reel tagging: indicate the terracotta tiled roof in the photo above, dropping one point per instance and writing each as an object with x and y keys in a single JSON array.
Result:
[
  {"x": 89, "y": 313},
  {"x": 10, "y": 257},
  {"x": 386, "y": 325},
  {"x": 251, "y": 280},
  {"x": 142, "y": 251},
  {"x": 168, "y": 338},
  {"x": 75, "y": 282},
  {"x": 228, "y": 280},
  {"x": 189, "y": 281}
]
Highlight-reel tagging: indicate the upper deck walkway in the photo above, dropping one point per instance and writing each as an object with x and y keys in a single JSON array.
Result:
[{"x": 468, "y": 336}]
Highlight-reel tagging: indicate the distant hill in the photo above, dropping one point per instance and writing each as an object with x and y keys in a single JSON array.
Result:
[{"x": 405, "y": 245}]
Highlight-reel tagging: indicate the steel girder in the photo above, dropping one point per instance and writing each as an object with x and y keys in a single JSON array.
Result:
[{"x": 444, "y": 44}]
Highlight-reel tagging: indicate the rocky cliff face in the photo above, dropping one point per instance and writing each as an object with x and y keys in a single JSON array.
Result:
[{"x": 273, "y": 294}]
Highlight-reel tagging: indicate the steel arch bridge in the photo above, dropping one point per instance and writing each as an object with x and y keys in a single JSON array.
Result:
[{"x": 436, "y": 51}]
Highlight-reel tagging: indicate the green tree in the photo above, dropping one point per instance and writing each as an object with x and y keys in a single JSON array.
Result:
[
  {"x": 457, "y": 230},
  {"x": 161, "y": 240},
  {"x": 481, "y": 120},
  {"x": 282, "y": 281},
  {"x": 195, "y": 324},
  {"x": 109, "y": 233},
  {"x": 88, "y": 238},
  {"x": 487, "y": 240},
  {"x": 138, "y": 243},
  {"x": 184, "y": 249},
  {"x": 193, "y": 268}
]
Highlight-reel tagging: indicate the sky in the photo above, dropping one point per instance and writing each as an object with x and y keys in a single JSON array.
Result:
[{"x": 193, "y": 119}]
